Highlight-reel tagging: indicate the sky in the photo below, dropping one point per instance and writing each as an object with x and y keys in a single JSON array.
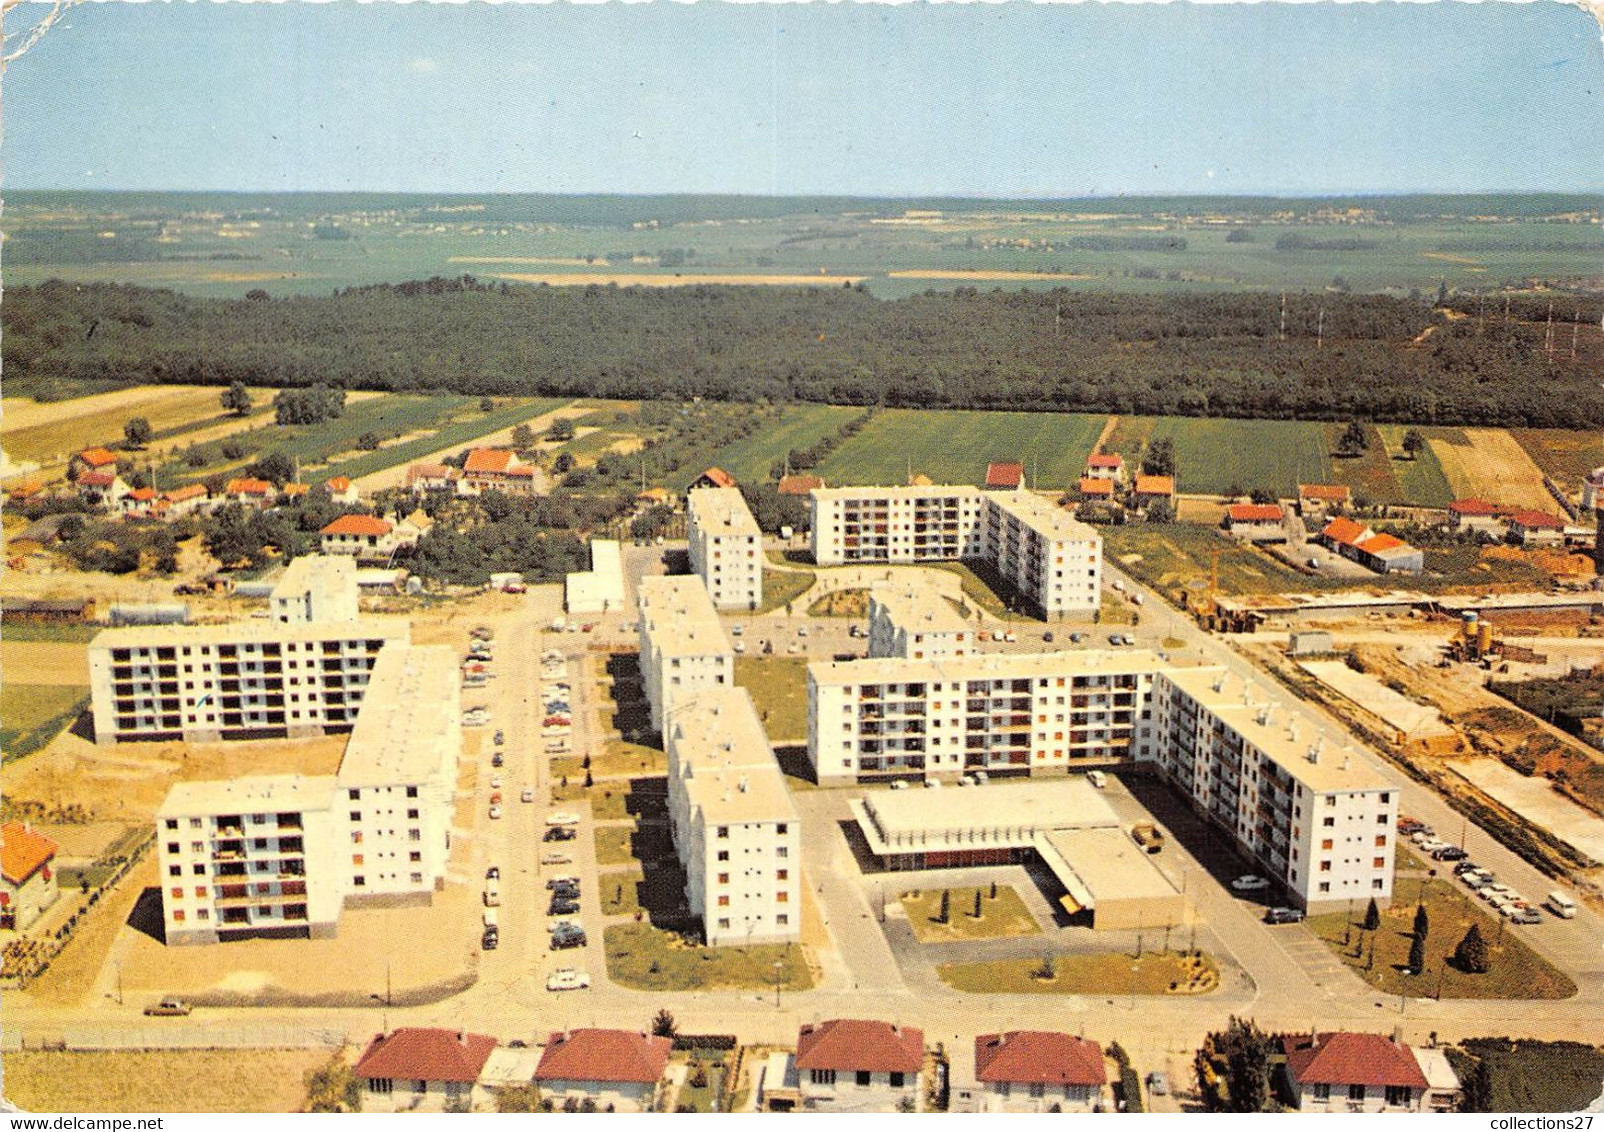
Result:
[{"x": 991, "y": 100}]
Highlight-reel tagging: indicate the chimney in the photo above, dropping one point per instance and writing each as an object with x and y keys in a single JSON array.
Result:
[{"x": 462, "y": 1039}]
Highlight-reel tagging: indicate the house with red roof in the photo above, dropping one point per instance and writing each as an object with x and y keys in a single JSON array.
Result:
[
  {"x": 431, "y": 477},
  {"x": 102, "y": 488},
  {"x": 140, "y": 503},
  {"x": 1146, "y": 490},
  {"x": 343, "y": 491},
  {"x": 1477, "y": 515},
  {"x": 365, "y": 537},
  {"x": 1105, "y": 466},
  {"x": 1536, "y": 528},
  {"x": 852, "y": 1065},
  {"x": 1383, "y": 553},
  {"x": 186, "y": 500},
  {"x": 1033, "y": 1071},
  {"x": 713, "y": 477},
  {"x": 1095, "y": 490},
  {"x": 1316, "y": 500},
  {"x": 1352, "y": 1072},
  {"x": 495, "y": 469},
  {"x": 800, "y": 484},
  {"x": 248, "y": 491},
  {"x": 421, "y": 1068},
  {"x": 1004, "y": 476},
  {"x": 616, "y": 1070},
  {"x": 27, "y": 875},
  {"x": 1258, "y": 522},
  {"x": 93, "y": 460}
]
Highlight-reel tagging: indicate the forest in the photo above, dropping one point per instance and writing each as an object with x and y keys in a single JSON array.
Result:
[{"x": 1340, "y": 357}]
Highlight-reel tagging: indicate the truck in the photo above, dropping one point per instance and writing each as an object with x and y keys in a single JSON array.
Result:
[{"x": 1148, "y": 836}]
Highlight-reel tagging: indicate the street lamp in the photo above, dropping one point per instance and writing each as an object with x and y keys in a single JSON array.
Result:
[{"x": 779, "y": 965}]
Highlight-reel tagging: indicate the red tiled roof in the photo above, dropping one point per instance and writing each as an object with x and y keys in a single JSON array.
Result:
[
  {"x": 1344, "y": 531},
  {"x": 1351, "y": 1059},
  {"x": 1254, "y": 513},
  {"x": 1332, "y": 492},
  {"x": 1474, "y": 507},
  {"x": 1378, "y": 543},
  {"x": 23, "y": 852},
  {"x": 295, "y": 489},
  {"x": 1100, "y": 460},
  {"x": 339, "y": 483},
  {"x": 718, "y": 477},
  {"x": 853, "y": 1045},
  {"x": 1537, "y": 521},
  {"x": 27, "y": 490},
  {"x": 488, "y": 460},
  {"x": 603, "y": 1055},
  {"x": 98, "y": 457},
  {"x": 248, "y": 487},
  {"x": 525, "y": 471},
  {"x": 357, "y": 525},
  {"x": 426, "y": 1054},
  {"x": 1004, "y": 474},
  {"x": 429, "y": 472},
  {"x": 188, "y": 491},
  {"x": 1155, "y": 485},
  {"x": 1096, "y": 487},
  {"x": 142, "y": 494},
  {"x": 1039, "y": 1057},
  {"x": 799, "y": 484},
  {"x": 97, "y": 479}
]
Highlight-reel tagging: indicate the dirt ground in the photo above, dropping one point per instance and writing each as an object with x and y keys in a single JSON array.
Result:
[
  {"x": 31, "y": 662},
  {"x": 1493, "y": 467},
  {"x": 160, "y": 1080}
]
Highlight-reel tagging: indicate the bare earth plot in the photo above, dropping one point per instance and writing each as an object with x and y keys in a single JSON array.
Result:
[
  {"x": 1397, "y": 711},
  {"x": 1537, "y": 801},
  {"x": 1492, "y": 465},
  {"x": 43, "y": 662},
  {"x": 160, "y": 1080}
]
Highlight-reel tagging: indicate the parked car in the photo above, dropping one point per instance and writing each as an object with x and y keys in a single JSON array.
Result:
[
  {"x": 169, "y": 1008},
  {"x": 560, "y": 833},
  {"x": 493, "y": 873},
  {"x": 555, "y": 858},
  {"x": 500, "y": 737},
  {"x": 1466, "y": 866},
  {"x": 1076, "y": 638},
  {"x": 490, "y": 940},
  {"x": 1158, "y": 1083},
  {"x": 736, "y": 630},
  {"x": 561, "y": 882},
  {"x": 562, "y": 940},
  {"x": 1450, "y": 853},
  {"x": 1527, "y": 916},
  {"x": 1408, "y": 825},
  {"x": 1116, "y": 638},
  {"x": 497, "y": 761},
  {"x": 1097, "y": 778},
  {"x": 566, "y": 978},
  {"x": 562, "y": 817},
  {"x": 495, "y": 813},
  {"x": 1283, "y": 916},
  {"x": 562, "y": 925},
  {"x": 561, "y": 906},
  {"x": 1148, "y": 836},
  {"x": 1250, "y": 883},
  {"x": 495, "y": 782},
  {"x": 527, "y": 796}
]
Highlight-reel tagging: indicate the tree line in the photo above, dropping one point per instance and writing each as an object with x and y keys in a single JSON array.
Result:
[{"x": 1342, "y": 357}]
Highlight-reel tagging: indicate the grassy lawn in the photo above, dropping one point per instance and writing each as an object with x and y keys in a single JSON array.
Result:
[
  {"x": 1517, "y": 970},
  {"x": 1214, "y": 455},
  {"x": 782, "y": 587},
  {"x": 618, "y": 759},
  {"x": 608, "y": 800},
  {"x": 976, "y": 588},
  {"x": 841, "y": 603},
  {"x": 954, "y": 446},
  {"x": 779, "y": 690},
  {"x": 29, "y": 708},
  {"x": 199, "y": 1080},
  {"x": 619, "y": 889},
  {"x": 1004, "y": 914},
  {"x": 613, "y": 844},
  {"x": 1172, "y": 972},
  {"x": 703, "y": 1097},
  {"x": 1533, "y": 1076},
  {"x": 642, "y": 957},
  {"x": 61, "y": 632}
]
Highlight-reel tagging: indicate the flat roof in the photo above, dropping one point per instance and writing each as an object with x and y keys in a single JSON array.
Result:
[
  {"x": 917, "y": 607},
  {"x": 721, "y": 511},
  {"x": 606, "y": 557},
  {"x": 678, "y": 617},
  {"x": 327, "y": 574},
  {"x": 254, "y": 631},
  {"x": 720, "y": 753},
  {"x": 409, "y": 725},
  {"x": 257, "y": 793},
  {"x": 1046, "y": 519},
  {"x": 985, "y": 666},
  {"x": 1284, "y": 731},
  {"x": 1023, "y": 808},
  {"x": 900, "y": 491},
  {"x": 1109, "y": 864}
]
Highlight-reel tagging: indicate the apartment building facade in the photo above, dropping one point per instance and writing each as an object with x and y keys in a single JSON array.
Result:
[
  {"x": 316, "y": 587},
  {"x": 251, "y": 679},
  {"x": 1053, "y": 560},
  {"x": 915, "y": 621},
  {"x": 683, "y": 646},
  {"x": 736, "y": 830},
  {"x": 726, "y": 547}
]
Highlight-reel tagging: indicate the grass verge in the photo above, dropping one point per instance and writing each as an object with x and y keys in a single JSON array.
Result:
[
  {"x": 779, "y": 690},
  {"x": 1002, "y": 913},
  {"x": 642, "y": 957},
  {"x": 1170, "y": 972}
]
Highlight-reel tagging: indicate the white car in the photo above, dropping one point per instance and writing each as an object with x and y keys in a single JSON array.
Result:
[
  {"x": 527, "y": 796},
  {"x": 556, "y": 859},
  {"x": 563, "y": 817},
  {"x": 495, "y": 782},
  {"x": 566, "y": 978},
  {"x": 495, "y": 813},
  {"x": 1250, "y": 884}
]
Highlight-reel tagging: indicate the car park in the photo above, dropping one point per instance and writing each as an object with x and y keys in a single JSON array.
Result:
[
  {"x": 1250, "y": 883},
  {"x": 566, "y": 979},
  {"x": 1450, "y": 853},
  {"x": 1283, "y": 916}
]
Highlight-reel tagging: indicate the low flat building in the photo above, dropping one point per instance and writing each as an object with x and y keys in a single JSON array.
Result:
[
  {"x": 736, "y": 830},
  {"x": 726, "y": 547},
  {"x": 1316, "y": 500},
  {"x": 1258, "y": 522},
  {"x": 1477, "y": 515},
  {"x": 1110, "y": 880},
  {"x": 913, "y": 620},
  {"x": 28, "y": 883},
  {"x": 683, "y": 646},
  {"x": 601, "y": 588},
  {"x": 616, "y": 1070}
]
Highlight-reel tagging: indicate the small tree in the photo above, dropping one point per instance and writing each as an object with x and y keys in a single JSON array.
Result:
[
  {"x": 1414, "y": 443},
  {"x": 1422, "y": 922},
  {"x": 944, "y": 916},
  {"x": 993, "y": 890},
  {"x": 663, "y": 1024},
  {"x": 137, "y": 432},
  {"x": 1161, "y": 511},
  {"x": 332, "y": 1087},
  {"x": 1372, "y": 916},
  {"x": 1472, "y": 954},
  {"x": 976, "y": 912},
  {"x": 1417, "y": 955},
  {"x": 1046, "y": 969},
  {"x": 1353, "y": 441},
  {"x": 562, "y": 430},
  {"x": 237, "y": 399},
  {"x": 1477, "y": 1085},
  {"x": 487, "y": 405},
  {"x": 523, "y": 437}
]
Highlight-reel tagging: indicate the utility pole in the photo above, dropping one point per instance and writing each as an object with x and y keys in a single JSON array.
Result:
[
  {"x": 1283, "y": 335},
  {"x": 1320, "y": 330}
]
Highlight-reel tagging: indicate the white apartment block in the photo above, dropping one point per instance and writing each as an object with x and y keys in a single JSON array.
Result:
[
  {"x": 1314, "y": 812},
  {"x": 251, "y": 679},
  {"x": 915, "y": 621},
  {"x": 736, "y": 830},
  {"x": 316, "y": 588},
  {"x": 726, "y": 547},
  {"x": 280, "y": 855},
  {"x": 683, "y": 646},
  {"x": 1026, "y": 713},
  {"x": 1300, "y": 799},
  {"x": 1051, "y": 558}
]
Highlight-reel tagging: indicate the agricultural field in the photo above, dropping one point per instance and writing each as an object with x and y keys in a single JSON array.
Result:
[
  {"x": 955, "y": 447},
  {"x": 29, "y": 708},
  {"x": 1489, "y": 463},
  {"x": 160, "y": 1080},
  {"x": 799, "y": 426},
  {"x": 51, "y": 431},
  {"x": 1420, "y": 479},
  {"x": 1561, "y": 453}
]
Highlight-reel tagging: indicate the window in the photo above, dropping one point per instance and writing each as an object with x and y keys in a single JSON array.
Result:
[
  {"x": 782, "y": 919},
  {"x": 412, "y": 815},
  {"x": 823, "y": 1076},
  {"x": 1326, "y": 843},
  {"x": 417, "y": 878},
  {"x": 357, "y": 859},
  {"x": 723, "y": 901},
  {"x": 782, "y": 897},
  {"x": 172, "y": 846},
  {"x": 724, "y": 922},
  {"x": 178, "y": 916},
  {"x": 724, "y": 878},
  {"x": 782, "y": 828},
  {"x": 896, "y": 1080},
  {"x": 203, "y": 914},
  {"x": 1037, "y": 1089},
  {"x": 412, "y": 791},
  {"x": 356, "y": 815},
  {"x": 782, "y": 874},
  {"x": 1377, "y": 884},
  {"x": 359, "y": 881},
  {"x": 723, "y": 854},
  {"x": 172, "y": 823},
  {"x": 178, "y": 894},
  {"x": 863, "y": 1078},
  {"x": 200, "y": 892},
  {"x": 723, "y": 831},
  {"x": 414, "y": 856},
  {"x": 414, "y": 835},
  {"x": 354, "y": 795},
  {"x": 175, "y": 870},
  {"x": 1322, "y": 1092},
  {"x": 199, "y": 870},
  {"x": 1381, "y": 819},
  {"x": 1325, "y": 866},
  {"x": 356, "y": 837},
  {"x": 782, "y": 852},
  {"x": 1381, "y": 841},
  {"x": 1385, "y": 797},
  {"x": 1325, "y": 885},
  {"x": 1356, "y": 1092},
  {"x": 1378, "y": 862}
]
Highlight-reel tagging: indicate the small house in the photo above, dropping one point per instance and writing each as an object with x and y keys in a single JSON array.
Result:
[
  {"x": 1258, "y": 522},
  {"x": 421, "y": 1068},
  {"x": 27, "y": 875},
  {"x": 1353, "y": 1072},
  {"x": 713, "y": 477},
  {"x": 1536, "y": 528},
  {"x": 1004, "y": 476},
  {"x": 1038, "y": 1071},
  {"x": 1105, "y": 466},
  {"x": 851, "y": 1065},
  {"x": 363, "y": 536},
  {"x": 617, "y": 1070},
  {"x": 1316, "y": 500}
]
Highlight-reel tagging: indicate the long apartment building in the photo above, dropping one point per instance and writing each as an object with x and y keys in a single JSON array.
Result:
[
  {"x": 948, "y": 716},
  {"x": 1051, "y": 558},
  {"x": 736, "y": 829},
  {"x": 683, "y": 646},
  {"x": 281, "y": 855},
  {"x": 1313, "y": 810},
  {"x": 726, "y": 547}
]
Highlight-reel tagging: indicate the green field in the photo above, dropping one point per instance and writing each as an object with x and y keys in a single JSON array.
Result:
[
  {"x": 1420, "y": 480},
  {"x": 1110, "y": 974},
  {"x": 799, "y": 426},
  {"x": 955, "y": 447},
  {"x": 32, "y": 713}
]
